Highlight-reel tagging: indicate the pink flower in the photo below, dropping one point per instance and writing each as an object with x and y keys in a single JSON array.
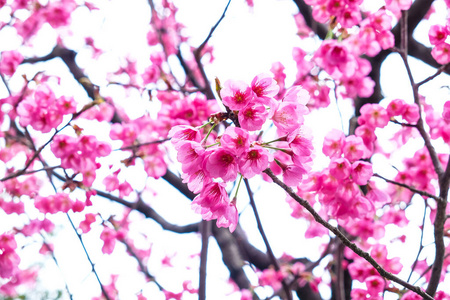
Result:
[
  {"x": 182, "y": 133},
  {"x": 196, "y": 180},
  {"x": 85, "y": 225},
  {"x": 67, "y": 105},
  {"x": 340, "y": 168},
  {"x": 108, "y": 236},
  {"x": 253, "y": 117},
  {"x": 288, "y": 117},
  {"x": 396, "y": 107},
  {"x": 211, "y": 198},
  {"x": 437, "y": 34},
  {"x": 411, "y": 114},
  {"x": 190, "y": 155},
  {"x": 236, "y": 94},
  {"x": 52, "y": 204},
  {"x": 374, "y": 115},
  {"x": 254, "y": 161},
  {"x": 57, "y": 14},
  {"x": 333, "y": 142},
  {"x": 222, "y": 163},
  {"x": 9, "y": 263},
  {"x": 213, "y": 203},
  {"x": 361, "y": 172},
  {"x": 301, "y": 143},
  {"x": 155, "y": 166},
  {"x": 335, "y": 59},
  {"x": 151, "y": 74},
  {"x": 264, "y": 87},
  {"x": 349, "y": 17},
  {"x": 353, "y": 148},
  {"x": 278, "y": 70},
  {"x": 297, "y": 94},
  {"x": 10, "y": 61},
  {"x": 124, "y": 189},
  {"x": 236, "y": 140},
  {"x": 271, "y": 278},
  {"x": 227, "y": 216},
  {"x": 446, "y": 112},
  {"x": 441, "y": 53},
  {"x": 293, "y": 174}
]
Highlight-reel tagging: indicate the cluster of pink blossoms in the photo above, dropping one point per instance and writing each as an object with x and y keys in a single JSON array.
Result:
[
  {"x": 10, "y": 61},
  {"x": 60, "y": 202},
  {"x": 80, "y": 154},
  {"x": 209, "y": 164},
  {"x": 9, "y": 260},
  {"x": 43, "y": 111},
  {"x": 347, "y": 13},
  {"x": 55, "y": 13},
  {"x": 438, "y": 38}
]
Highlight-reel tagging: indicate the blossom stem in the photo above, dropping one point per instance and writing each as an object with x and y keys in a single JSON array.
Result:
[
  {"x": 283, "y": 138},
  {"x": 209, "y": 132},
  {"x": 275, "y": 148},
  {"x": 237, "y": 189},
  {"x": 204, "y": 125},
  {"x": 215, "y": 144}
]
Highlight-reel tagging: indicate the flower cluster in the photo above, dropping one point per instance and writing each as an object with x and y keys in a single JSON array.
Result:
[
  {"x": 9, "y": 260},
  {"x": 438, "y": 37},
  {"x": 208, "y": 167},
  {"x": 347, "y": 13},
  {"x": 9, "y": 62},
  {"x": 43, "y": 111},
  {"x": 60, "y": 202},
  {"x": 80, "y": 154},
  {"x": 337, "y": 186}
]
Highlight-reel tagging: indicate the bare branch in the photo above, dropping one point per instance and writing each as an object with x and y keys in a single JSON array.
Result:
[
  {"x": 412, "y": 189},
  {"x": 105, "y": 294},
  {"x": 200, "y": 48},
  {"x": 264, "y": 237}
]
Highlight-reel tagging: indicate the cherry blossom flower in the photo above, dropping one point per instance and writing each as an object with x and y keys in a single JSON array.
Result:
[
  {"x": 10, "y": 61},
  {"x": 222, "y": 163},
  {"x": 236, "y": 94},
  {"x": 254, "y": 161}
]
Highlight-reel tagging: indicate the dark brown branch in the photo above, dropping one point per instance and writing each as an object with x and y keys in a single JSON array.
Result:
[{"x": 151, "y": 214}]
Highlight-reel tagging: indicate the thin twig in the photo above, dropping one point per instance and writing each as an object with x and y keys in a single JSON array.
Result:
[
  {"x": 264, "y": 237},
  {"x": 105, "y": 294},
  {"x": 412, "y": 189},
  {"x": 141, "y": 264},
  {"x": 35, "y": 155},
  {"x": 57, "y": 264},
  {"x": 198, "y": 55},
  {"x": 438, "y": 72},
  {"x": 133, "y": 147},
  {"x": 200, "y": 48},
  {"x": 421, "y": 242}
]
